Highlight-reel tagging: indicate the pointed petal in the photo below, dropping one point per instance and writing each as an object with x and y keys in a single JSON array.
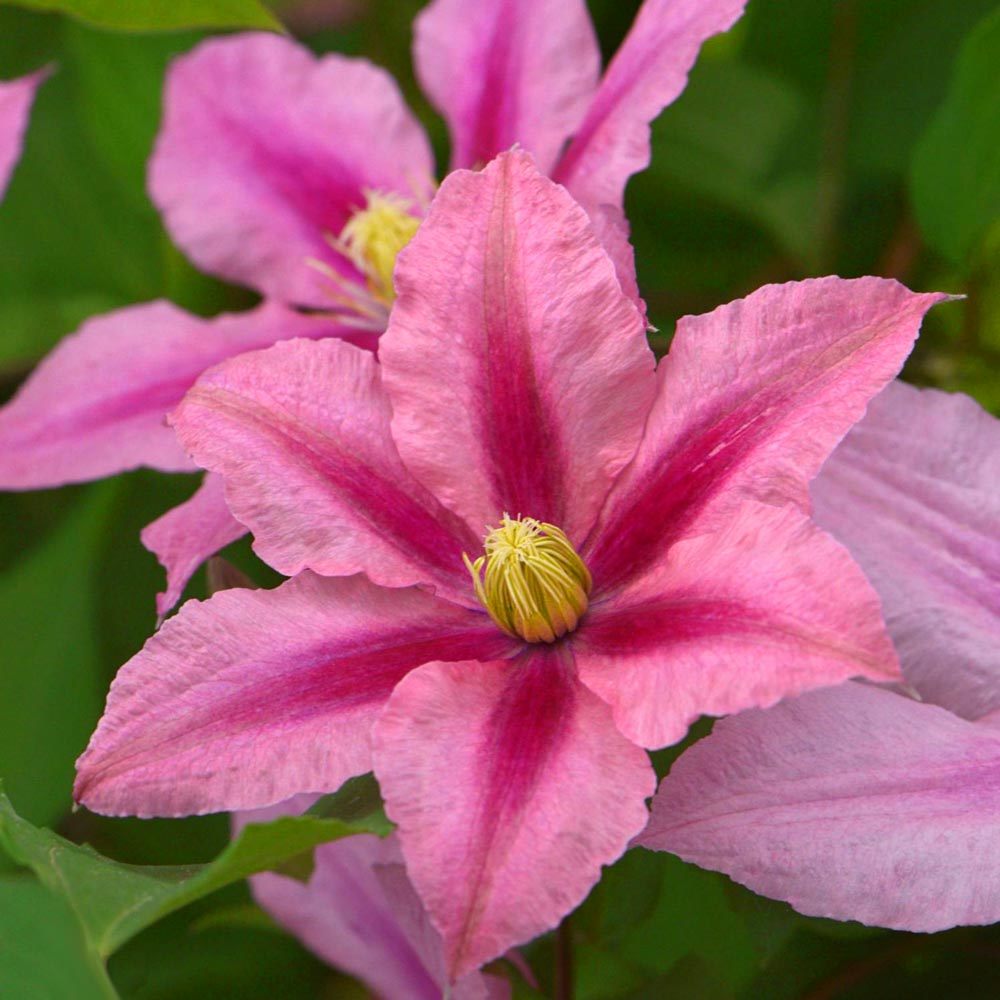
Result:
[
  {"x": 766, "y": 607},
  {"x": 507, "y": 71},
  {"x": 265, "y": 150},
  {"x": 752, "y": 399},
  {"x": 98, "y": 403},
  {"x": 360, "y": 913},
  {"x": 506, "y": 281},
  {"x": 912, "y": 492},
  {"x": 301, "y": 435},
  {"x": 183, "y": 538},
  {"x": 16, "y": 98},
  {"x": 853, "y": 803},
  {"x": 511, "y": 787},
  {"x": 648, "y": 72},
  {"x": 256, "y": 695}
]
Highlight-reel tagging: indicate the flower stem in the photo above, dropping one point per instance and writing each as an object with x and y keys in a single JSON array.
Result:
[{"x": 564, "y": 961}]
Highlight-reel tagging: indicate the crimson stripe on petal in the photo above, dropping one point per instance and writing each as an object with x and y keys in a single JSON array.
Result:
[
  {"x": 506, "y": 295},
  {"x": 511, "y": 787},
  {"x": 253, "y": 696},
  {"x": 301, "y": 436},
  {"x": 767, "y": 607},
  {"x": 752, "y": 399}
]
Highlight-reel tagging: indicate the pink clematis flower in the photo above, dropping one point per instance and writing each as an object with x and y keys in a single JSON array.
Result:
[
  {"x": 648, "y": 556},
  {"x": 302, "y": 177},
  {"x": 16, "y": 98},
  {"x": 860, "y": 803},
  {"x": 360, "y": 913}
]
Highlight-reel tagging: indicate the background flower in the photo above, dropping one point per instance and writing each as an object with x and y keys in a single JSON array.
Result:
[{"x": 866, "y": 804}]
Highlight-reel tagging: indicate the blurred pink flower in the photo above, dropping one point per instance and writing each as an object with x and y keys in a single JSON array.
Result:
[
  {"x": 302, "y": 177},
  {"x": 267, "y": 153},
  {"x": 16, "y": 98},
  {"x": 860, "y": 803},
  {"x": 672, "y": 569},
  {"x": 360, "y": 913}
]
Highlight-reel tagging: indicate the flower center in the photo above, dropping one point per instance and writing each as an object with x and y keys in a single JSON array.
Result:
[
  {"x": 534, "y": 584},
  {"x": 373, "y": 237}
]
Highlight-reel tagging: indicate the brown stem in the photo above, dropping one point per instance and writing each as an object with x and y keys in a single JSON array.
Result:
[
  {"x": 564, "y": 961},
  {"x": 836, "y": 123}
]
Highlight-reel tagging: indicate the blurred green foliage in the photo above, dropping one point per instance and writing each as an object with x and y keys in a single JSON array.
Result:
[{"x": 820, "y": 136}]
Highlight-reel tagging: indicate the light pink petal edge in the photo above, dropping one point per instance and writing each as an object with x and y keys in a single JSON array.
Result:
[
  {"x": 914, "y": 493},
  {"x": 16, "y": 99},
  {"x": 184, "y": 537},
  {"x": 853, "y": 803}
]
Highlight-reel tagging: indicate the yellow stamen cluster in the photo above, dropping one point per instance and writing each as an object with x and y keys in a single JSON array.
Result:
[
  {"x": 373, "y": 237},
  {"x": 535, "y": 585}
]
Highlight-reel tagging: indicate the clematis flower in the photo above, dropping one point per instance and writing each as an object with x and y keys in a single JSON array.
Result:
[
  {"x": 324, "y": 173},
  {"x": 648, "y": 556},
  {"x": 861, "y": 803},
  {"x": 16, "y": 98},
  {"x": 360, "y": 913},
  {"x": 303, "y": 178}
]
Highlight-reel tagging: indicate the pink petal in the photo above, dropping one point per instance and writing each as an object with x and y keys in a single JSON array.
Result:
[
  {"x": 184, "y": 537},
  {"x": 16, "y": 98},
  {"x": 301, "y": 435},
  {"x": 648, "y": 72},
  {"x": 913, "y": 492},
  {"x": 507, "y": 71},
  {"x": 256, "y": 695},
  {"x": 511, "y": 787},
  {"x": 98, "y": 403},
  {"x": 752, "y": 399},
  {"x": 265, "y": 150},
  {"x": 765, "y": 607},
  {"x": 506, "y": 293},
  {"x": 360, "y": 913},
  {"x": 853, "y": 803}
]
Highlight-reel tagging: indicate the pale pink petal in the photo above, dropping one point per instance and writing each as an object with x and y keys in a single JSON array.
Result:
[
  {"x": 765, "y": 607},
  {"x": 301, "y": 435},
  {"x": 511, "y": 787},
  {"x": 98, "y": 403},
  {"x": 853, "y": 803},
  {"x": 914, "y": 493},
  {"x": 648, "y": 72},
  {"x": 265, "y": 151},
  {"x": 16, "y": 98},
  {"x": 184, "y": 537},
  {"x": 752, "y": 399},
  {"x": 507, "y": 71},
  {"x": 256, "y": 695},
  {"x": 518, "y": 371},
  {"x": 612, "y": 230},
  {"x": 360, "y": 913}
]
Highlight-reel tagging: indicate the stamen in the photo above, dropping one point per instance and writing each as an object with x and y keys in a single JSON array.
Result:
[
  {"x": 534, "y": 585},
  {"x": 373, "y": 237}
]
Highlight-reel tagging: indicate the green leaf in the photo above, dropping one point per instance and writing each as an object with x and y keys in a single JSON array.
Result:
[
  {"x": 51, "y": 684},
  {"x": 113, "y": 901},
  {"x": 955, "y": 177},
  {"x": 161, "y": 15},
  {"x": 43, "y": 954},
  {"x": 731, "y": 138}
]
